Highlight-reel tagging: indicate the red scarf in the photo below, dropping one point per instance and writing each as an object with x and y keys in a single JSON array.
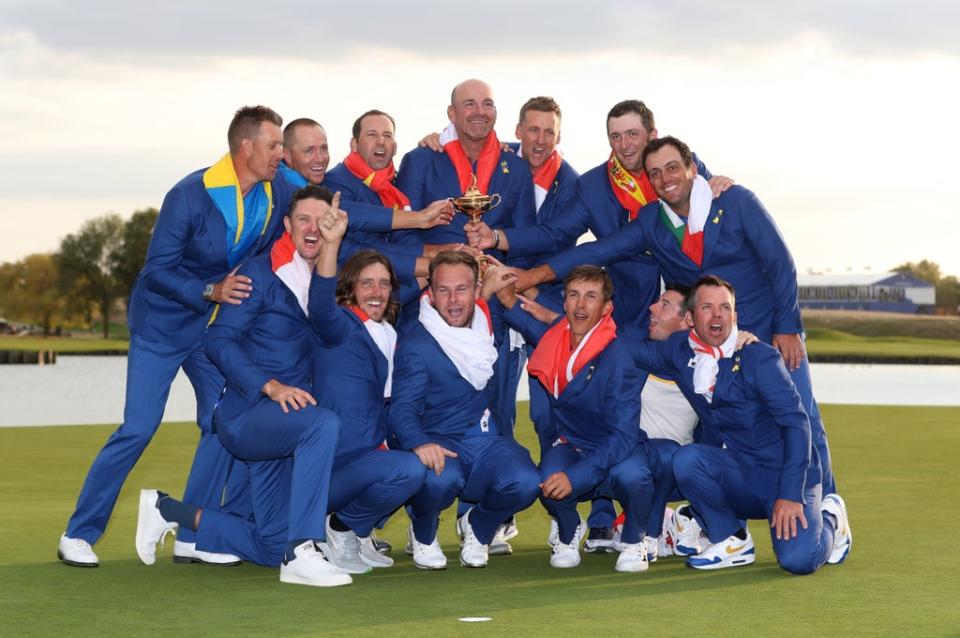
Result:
[
  {"x": 486, "y": 163},
  {"x": 381, "y": 181},
  {"x": 632, "y": 191},
  {"x": 549, "y": 361},
  {"x": 546, "y": 173},
  {"x": 281, "y": 253}
]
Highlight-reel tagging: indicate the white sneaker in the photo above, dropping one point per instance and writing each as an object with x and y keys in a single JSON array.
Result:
[
  {"x": 77, "y": 552},
  {"x": 834, "y": 505},
  {"x": 600, "y": 540},
  {"x": 426, "y": 555},
  {"x": 345, "y": 550},
  {"x": 554, "y": 536},
  {"x": 651, "y": 544},
  {"x": 152, "y": 529},
  {"x": 730, "y": 552},
  {"x": 499, "y": 545},
  {"x": 370, "y": 555},
  {"x": 184, "y": 552},
  {"x": 473, "y": 553},
  {"x": 633, "y": 557},
  {"x": 382, "y": 546},
  {"x": 687, "y": 535},
  {"x": 566, "y": 555},
  {"x": 311, "y": 567}
]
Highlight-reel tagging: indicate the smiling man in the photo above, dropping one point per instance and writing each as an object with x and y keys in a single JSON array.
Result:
[
  {"x": 440, "y": 410},
  {"x": 767, "y": 467},
  {"x": 268, "y": 418},
  {"x": 210, "y": 222}
]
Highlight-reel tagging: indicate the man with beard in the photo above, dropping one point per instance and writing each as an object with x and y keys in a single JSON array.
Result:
[{"x": 209, "y": 224}]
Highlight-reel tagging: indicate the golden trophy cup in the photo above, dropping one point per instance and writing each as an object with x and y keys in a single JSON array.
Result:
[{"x": 474, "y": 203}]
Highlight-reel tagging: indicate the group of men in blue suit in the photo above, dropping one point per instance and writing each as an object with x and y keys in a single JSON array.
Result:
[{"x": 319, "y": 419}]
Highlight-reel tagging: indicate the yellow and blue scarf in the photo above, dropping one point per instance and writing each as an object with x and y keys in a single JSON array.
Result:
[{"x": 246, "y": 217}]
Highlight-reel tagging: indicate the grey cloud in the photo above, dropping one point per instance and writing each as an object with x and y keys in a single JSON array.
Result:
[{"x": 178, "y": 29}]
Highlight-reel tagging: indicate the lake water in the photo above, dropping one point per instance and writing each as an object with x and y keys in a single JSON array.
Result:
[{"x": 86, "y": 390}]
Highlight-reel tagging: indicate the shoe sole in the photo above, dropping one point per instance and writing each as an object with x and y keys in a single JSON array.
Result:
[
  {"x": 297, "y": 580},
  {"x": 74, "y": 563},
  {"x": 843, "y": 508},
  {"x": 740, "y": 561},
  {"x": 504, "y": 550},
  {"x": 631, "y": 571},
  {"x": 429, "y": 568},
  {"x": 477, "y": 566},
  {"x": 143, "y": 512},
  {"x": 602, "y": 549},
  {"x": 185, "y": 560}
]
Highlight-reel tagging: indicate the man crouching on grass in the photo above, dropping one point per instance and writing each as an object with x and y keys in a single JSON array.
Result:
[{"x": 597, "y": 450}]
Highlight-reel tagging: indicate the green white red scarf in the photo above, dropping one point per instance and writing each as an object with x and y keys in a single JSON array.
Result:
[{"x": 689, "y": 232}]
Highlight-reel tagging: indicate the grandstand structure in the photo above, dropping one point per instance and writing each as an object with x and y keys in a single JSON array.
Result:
[{"x": 884, "y": 292}]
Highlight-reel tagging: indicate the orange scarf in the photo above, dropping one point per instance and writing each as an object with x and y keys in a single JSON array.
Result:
[
  {"x": 381, "y": 181},
  {"x": 486, "y": 163},
  {"x": 546, "y": 173},
  {"x": 633, "y": 191},
  {"x": 550, "y": 361}
]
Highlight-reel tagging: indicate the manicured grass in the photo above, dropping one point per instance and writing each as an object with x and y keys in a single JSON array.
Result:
[
  {"x": 62, "y": 344},
  {"x": 824, "y": 342},
  {"x": 884, "y": 324},
  {"x": 896, "y": 466}
]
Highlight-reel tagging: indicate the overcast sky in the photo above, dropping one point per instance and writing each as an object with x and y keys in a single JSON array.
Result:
[{"x": 841, "y": 116}]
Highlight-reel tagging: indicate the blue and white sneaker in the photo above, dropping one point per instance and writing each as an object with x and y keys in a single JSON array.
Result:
[
  {"x": 730, "y": 552},
  {"x": 834, "y": 505},
  {"x": 688, "y": 538}
]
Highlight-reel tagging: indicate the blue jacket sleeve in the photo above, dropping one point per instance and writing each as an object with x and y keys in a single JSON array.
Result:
[
  {"x": 328, "y": 320},
  {"x": 368, "y": 217},
  {"x": 777, "y": 263},
  {"x": 630, "y": 241},
  {"x": 162, "y": 273},
  {"x": 411, "y": 383},
  {"x": 224, "y": 339},
  {"x": 652, "y": 356},
  {"x": 621, "y": 413},
  {"x": 562, "y": 229},
  {"x": 780, "y": 396}
]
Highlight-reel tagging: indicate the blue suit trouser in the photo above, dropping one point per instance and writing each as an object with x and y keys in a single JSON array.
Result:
[
  {"x": 151, "y": 368},
  {"x": 492, "y": 471},
  {"x": 818, "y": 435},
  {"x": 290, "y": 459},
  {"x": 369, "y": 486},
  {"x": 720, "y": 490},
  {"x": 632, "y": 482}
]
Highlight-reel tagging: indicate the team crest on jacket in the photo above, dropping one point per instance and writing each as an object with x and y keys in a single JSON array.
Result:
[
  {"x": 716, "y": 219},
  {"x": 504, "y": 168}
]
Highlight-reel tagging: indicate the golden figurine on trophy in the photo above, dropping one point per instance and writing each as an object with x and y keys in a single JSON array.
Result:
[{"x": 474, "y": 203}]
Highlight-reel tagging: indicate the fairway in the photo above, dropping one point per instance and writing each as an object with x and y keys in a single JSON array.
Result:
[{"x": 897, "y": 469}]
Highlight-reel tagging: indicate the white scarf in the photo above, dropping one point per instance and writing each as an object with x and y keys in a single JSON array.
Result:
[
  {"x": 296, "y": 275},
  {"x": 701, "y": 197},
  {"x": 385, "y": 337},
  {"x": 470, "y": 348},
  {"x": 705, "y": 366}
]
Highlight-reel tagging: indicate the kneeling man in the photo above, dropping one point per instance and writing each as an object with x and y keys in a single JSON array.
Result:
[
  {"x": 767, "y": 467},
  {"x": 596, "y": 449},
  {"x": 441, "y": 410}
]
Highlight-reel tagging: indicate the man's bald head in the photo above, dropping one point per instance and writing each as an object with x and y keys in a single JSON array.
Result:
[{"x": 472, "y": 110}]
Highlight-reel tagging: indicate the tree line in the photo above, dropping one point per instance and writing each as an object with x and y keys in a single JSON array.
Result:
[
  {"x": 83, "y": 280},
  {"x": 97, "y": 266}
]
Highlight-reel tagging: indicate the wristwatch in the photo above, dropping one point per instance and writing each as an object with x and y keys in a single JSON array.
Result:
[{"x": 208, "y": 292}]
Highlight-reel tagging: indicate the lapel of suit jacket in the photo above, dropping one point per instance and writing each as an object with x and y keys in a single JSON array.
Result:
[{"x": 711, "y": 230}]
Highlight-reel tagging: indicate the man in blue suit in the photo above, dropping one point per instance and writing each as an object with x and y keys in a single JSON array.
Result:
[
  {"x": 353, "y": 377},
  {"x": 691, "y": 233},
  {"x": 767, "y": 467},
  {"x": 306, "y": 157},
  {"x": 596, "y": 447},
  {"x": 269, "y": 419},
  {"x": 210, "y": 222},
  {"x": 440, "y": 410}
]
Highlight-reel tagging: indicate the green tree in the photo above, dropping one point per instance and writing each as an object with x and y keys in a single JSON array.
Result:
[
  {"x": 31, "y": 293},
  {"x": 948, "y": 294},
  {"x": 87, "y": 261},
  {"x": 133, "y": 251},
  {"x": 925, "y": 270}
]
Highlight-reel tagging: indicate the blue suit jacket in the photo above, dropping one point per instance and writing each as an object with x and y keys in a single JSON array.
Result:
[
  {"x": 266, "y": 337},
  {"x": 741, "y": 244},
  {"x": 349, "y": 371},
  {"x": 430, "y": 399},
  {"x": 426, "y": 176},
  {"x": 598, "y": 412},
  {"x": 756, "y": 412},
  {"x": 187, "y": 251}
]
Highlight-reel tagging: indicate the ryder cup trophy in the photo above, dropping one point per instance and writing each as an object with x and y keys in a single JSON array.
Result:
[{"x": 474, "y": 203}]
